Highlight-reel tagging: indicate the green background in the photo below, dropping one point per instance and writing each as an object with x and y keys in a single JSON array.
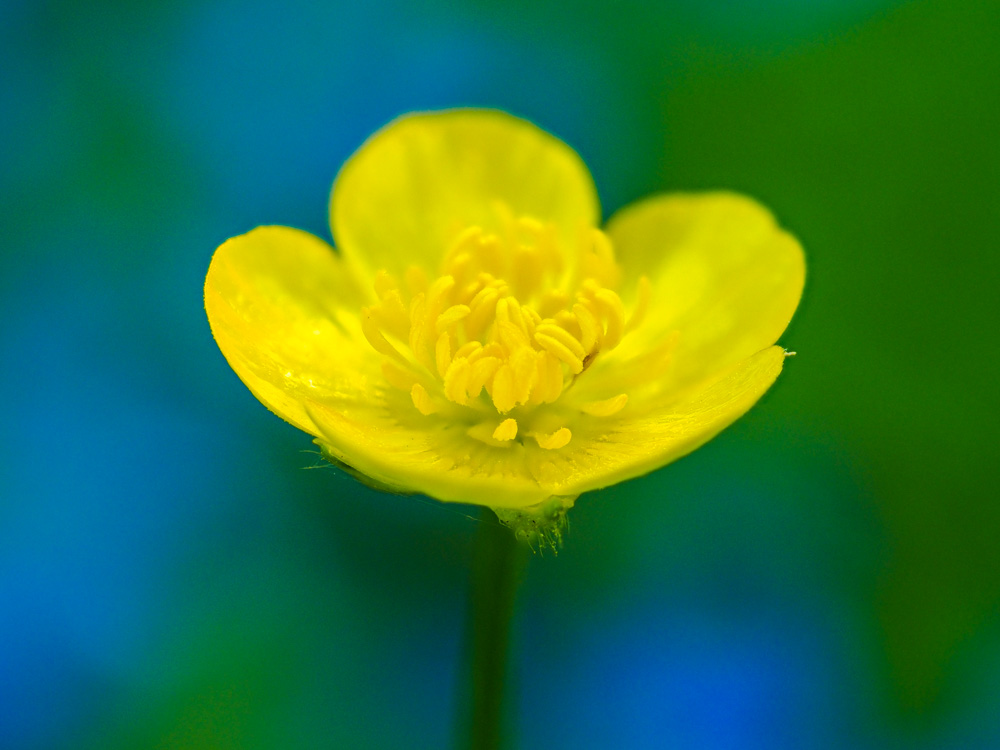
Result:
[{"x": 825, "y": 574}]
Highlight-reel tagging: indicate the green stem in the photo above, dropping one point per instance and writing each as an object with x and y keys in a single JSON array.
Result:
[{"x": 499, "y": 559}]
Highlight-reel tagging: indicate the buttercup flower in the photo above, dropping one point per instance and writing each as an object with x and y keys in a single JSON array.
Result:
[{"x": 477, "y": 338}]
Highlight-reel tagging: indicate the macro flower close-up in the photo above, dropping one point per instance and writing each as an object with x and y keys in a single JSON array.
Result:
[
  {"x": 500, "y": 375},
  {"x": 477, "y": 337}
]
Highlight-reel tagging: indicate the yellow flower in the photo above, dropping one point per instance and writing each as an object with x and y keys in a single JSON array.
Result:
[{"x": 477, "y": 338}]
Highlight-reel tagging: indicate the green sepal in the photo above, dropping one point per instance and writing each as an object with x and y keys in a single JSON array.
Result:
[
  {"x": 539, "y": 526},
  {"x": 365, "y": 479}
]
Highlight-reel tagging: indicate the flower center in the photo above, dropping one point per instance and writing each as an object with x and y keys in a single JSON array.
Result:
[{"x": 505, "y": 330}]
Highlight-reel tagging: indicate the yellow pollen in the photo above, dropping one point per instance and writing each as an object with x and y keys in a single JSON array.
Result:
[
  {"x": 590, "y": 332},
  {"x": 468, "y": 349},
  {"x": 442, "y": 353},
  {"x": 422, "y": 400},
  {"x": 564, "y": 337},
  {"x": 483, "y": 370},
  {"x": 450, "y": 316},
  {"x": 615, "y": 312},
  {"x": 375, "y": 337},
  {"x": 558, "y": 439},
  {"x": 512, "y": 320},
  {"x": 456, "y": 381},
  {"x": 561, "y": 351},
  {"x": 503, "y": 389},
  {"x": 507, "y": 430}
]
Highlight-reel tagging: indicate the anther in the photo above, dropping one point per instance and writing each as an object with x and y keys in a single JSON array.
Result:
[
  {"x": 590, "y": 330},
  {"x": 450, "y": 316},
  {"x": 558, "y": 439},
  {"x": 442, "y": 353},
  {"x": 467, "y": 350},
  {"x": 375, "y": 337},
  {"x": 503, "y": 395},
  {"x": 422, "y": 400},
  {"x": 560, "y": 351},
  {"x": 550, "y": 379},
  {"x": 562, "y": 336},
  {"x": 507, "y": 430},
  {"x": 392, "y": 314},
  {"x": 605, "y": 408},
  {"x": 456, "y": 381},
  {"x": 483, "y": 370},
  {"x": 615, "y": 312},
  {"x": 510, "y": 336}
]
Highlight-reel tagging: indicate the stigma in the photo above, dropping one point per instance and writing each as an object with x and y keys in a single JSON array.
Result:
[{"x": 501, "y": 334}]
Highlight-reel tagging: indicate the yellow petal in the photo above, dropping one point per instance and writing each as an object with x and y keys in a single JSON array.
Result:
[
  {"x": 607, "y": 450},
  {"x": 722, "y": 274},
  {"x": 381, "y": 440},
  {"x": 284, "y": 311},
  {"x": 415, "y": 185}
]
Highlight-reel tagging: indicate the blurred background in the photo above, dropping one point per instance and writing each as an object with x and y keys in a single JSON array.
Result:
[{"x": 177, "y": 572}]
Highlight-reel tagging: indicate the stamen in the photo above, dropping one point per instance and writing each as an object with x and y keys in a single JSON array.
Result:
[
  {"x": 418, "y": 306},
  {"x": 590, "y": 330},
  {"x": 550, "y": 379},
  {"x": 422, "y": 400},
  {"x": 524, "y": 365},
  {"x": 456, "y": 381},
  {"x": 483, "y": 370},
  {"x": 483, "y": 307},
  {"x": 507, "y": 430},
  {"x": 512, "y": 337},
  {"x": 503, "y": 389},
  {"x": 502, "y": 311},
  {"x": 560, "y": 350},
  {"x": 605, "y": 408},
  {"x": 503, "y": 316},
  {"x": 515, "y": 315},
  {"x": 392, "y": 314},
  {"x": 558, "y": 439},
  {"x": 531, "y": 315},
  {"x": 375, "y": 337},
  {"x": 468, "y": 349},
  {"x": 452, "y": 315},
  {"x": 459, "y": 266},
  {"x": 439, "y": 288},
  {"x": 483, "y": 432},
  {"x": 442, "y": 353},
  {"x": 563, "y": 336},
  {"x": 492, "y": 349},
  {"x": 615, "y": 311},
  {"x": 463, "y": 243}
]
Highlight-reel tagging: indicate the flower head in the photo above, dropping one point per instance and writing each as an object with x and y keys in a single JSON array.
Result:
[{"x": 478, "y": 338}]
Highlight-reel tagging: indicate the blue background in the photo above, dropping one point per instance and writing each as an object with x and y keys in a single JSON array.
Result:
[{"x": 826, "y": 574}]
